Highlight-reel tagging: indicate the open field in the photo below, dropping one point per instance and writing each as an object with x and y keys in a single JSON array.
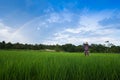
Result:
[{"x": 41, "y": 65}]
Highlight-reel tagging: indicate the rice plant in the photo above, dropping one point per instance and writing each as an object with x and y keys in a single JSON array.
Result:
[{"x": 41, "y": 65}]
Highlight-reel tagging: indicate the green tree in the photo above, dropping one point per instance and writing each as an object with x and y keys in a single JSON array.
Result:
[
  {"x": 2, "y": 45},
  {"x": 58, "y": 48},
  {"x": 69, "y": 47},
  {"x": 9, "y": 45}
]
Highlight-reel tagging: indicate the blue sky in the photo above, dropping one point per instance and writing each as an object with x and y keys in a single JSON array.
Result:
[{"x": 60, "y": 21}]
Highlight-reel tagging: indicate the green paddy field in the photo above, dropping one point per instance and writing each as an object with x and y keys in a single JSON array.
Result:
[{"x": 42, "y": 65}]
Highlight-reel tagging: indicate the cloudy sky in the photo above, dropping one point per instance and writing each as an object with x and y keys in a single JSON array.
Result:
[{"x": 60, "y": 21}]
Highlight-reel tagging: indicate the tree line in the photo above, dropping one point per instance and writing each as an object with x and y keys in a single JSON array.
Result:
[{"x": 96, "y": 48}]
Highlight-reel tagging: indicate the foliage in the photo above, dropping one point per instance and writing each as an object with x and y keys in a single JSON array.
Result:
[
  {"x": 99, "y": 48},
  {"x": 41, "y": 65}
]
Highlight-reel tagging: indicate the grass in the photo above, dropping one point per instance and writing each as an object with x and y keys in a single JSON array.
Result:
[{"x": 41, "y": 65}]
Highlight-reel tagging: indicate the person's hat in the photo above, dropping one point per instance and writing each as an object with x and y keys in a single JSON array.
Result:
[{"x": 86, "y": 43}]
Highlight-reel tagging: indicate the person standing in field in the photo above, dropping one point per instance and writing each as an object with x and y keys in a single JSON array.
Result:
[{"x": 86, "y": 49}]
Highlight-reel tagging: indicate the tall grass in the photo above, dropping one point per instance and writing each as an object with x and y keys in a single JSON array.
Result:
[{"x": 40, "y": 65}]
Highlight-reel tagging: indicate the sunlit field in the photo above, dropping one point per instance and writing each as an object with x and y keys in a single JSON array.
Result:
[{"x": 42, "y": 65}]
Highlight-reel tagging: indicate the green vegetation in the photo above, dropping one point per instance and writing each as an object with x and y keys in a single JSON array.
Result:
[
  {"x": 94, "y": 48},
  {"x": 41, "y": 65}
]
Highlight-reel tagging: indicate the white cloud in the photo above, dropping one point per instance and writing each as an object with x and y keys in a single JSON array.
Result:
[
  {"x": 53, "y": 18},
  {"x": 63, "y": 27},
  {"x": 9, "y": 34},
  {"x": 5, "y": 32},
  {"x": 88, "y": 29},
  {"x": 50, "y": 42},
  {"x": 77, "y": 30},
  {"x": 60, "y": 17}
]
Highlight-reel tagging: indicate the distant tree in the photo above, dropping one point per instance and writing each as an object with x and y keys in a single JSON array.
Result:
[
  {"x": 108, "y": 46},
  {"x": 114, "y": 49},
  {"x": 69, "y": 47},
  {"x": 16, "y": 46},
  {"x": 9, "y": 45},
  {"x": 79, "y": 48},
  {"x": 97, "y": 48},
  {"x": 2, "y": 45},
  {"x": 58, "y": 48},
  {"x": 41, "y": 46}
]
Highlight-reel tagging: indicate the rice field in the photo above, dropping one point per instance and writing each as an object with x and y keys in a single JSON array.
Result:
[{"x": 42, "y": 65}]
